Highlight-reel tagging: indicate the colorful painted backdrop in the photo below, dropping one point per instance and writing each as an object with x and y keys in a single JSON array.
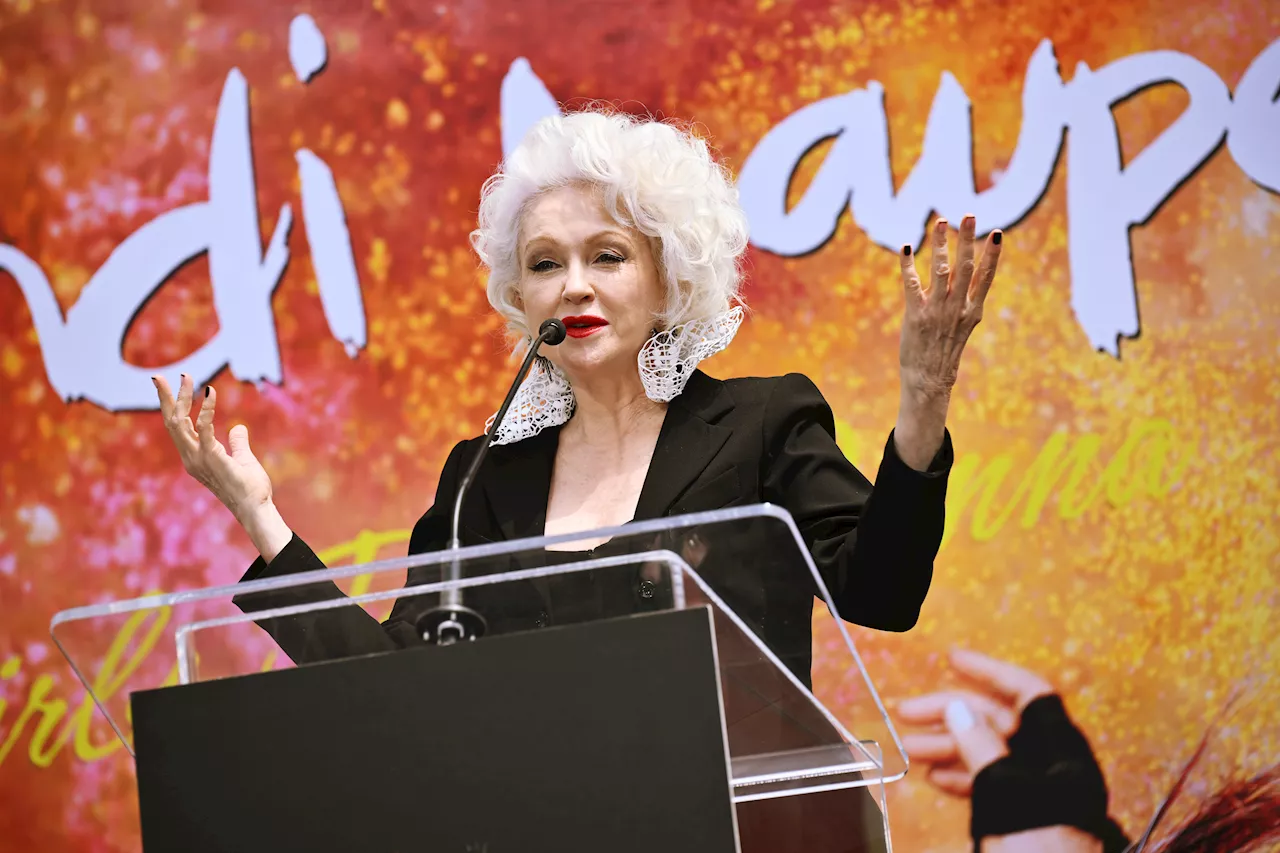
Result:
[{"x": 296, "y": 181}]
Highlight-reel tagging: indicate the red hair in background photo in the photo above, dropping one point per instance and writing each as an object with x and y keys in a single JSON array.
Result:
[{"x": 1241, "y": 815}]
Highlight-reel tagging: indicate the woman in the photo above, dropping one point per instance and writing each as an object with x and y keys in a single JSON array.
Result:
[{"x": 630, "y": 233}]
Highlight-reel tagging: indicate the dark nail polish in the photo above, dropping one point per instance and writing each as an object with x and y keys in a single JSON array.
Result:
[
  {"x": 206, "y": 390},
  {"x": 995, "y": 238},
  {"x": 906, "y": 251}
]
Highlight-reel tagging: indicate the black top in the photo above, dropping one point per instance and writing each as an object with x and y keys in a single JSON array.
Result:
[{"x": 723, "y": 443}]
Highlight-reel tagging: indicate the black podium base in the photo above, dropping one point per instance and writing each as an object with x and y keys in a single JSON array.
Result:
[{"x": 603, "y": 736}]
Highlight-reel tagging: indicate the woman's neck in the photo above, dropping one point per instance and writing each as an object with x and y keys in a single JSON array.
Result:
[{"x": 608, "y": 413}]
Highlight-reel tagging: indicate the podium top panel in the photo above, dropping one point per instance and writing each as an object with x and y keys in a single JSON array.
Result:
[{"x": 750, "y": 566}]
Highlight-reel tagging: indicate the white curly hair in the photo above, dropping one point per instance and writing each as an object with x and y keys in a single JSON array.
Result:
[{"x": 652, "y": 176}]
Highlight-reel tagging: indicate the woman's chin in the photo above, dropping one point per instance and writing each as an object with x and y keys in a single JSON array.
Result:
[{"x": 581, "y": 363}]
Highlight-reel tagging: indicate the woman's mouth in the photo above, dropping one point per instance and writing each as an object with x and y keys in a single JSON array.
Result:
[{"x": 581, "y": 327}]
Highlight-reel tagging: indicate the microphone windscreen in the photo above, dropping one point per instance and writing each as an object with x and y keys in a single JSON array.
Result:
[{"x": 552, "y": 331}]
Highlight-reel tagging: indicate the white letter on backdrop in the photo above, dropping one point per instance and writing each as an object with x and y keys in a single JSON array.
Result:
[{"x": 1105, "y": 198}]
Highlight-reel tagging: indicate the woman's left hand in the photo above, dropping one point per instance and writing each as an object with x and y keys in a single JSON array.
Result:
[{"x": 935, "y": 328}]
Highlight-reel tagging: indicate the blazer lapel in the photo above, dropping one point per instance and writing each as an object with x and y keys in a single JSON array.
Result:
[
  {"x": 518, "y": 484},
  {"x": 516, "y": 479},
  {"x": 690, "y": 438}
]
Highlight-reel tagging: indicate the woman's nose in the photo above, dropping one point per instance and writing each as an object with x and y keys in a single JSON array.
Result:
[{"x": 577, "y": 286}]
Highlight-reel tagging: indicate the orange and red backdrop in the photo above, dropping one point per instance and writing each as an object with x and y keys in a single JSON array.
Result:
[{"x": 1112, "y": 513}]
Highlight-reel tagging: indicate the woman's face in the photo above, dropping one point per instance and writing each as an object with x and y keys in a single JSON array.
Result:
[{"x": 600, "y": 278}]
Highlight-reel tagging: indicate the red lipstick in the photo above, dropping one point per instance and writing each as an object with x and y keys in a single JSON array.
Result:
[{"x": 581, "y": 327}]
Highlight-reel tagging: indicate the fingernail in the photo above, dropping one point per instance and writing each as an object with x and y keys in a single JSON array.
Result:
[
  {"x": 906, "y": 251},
  {"x": 958, "y": 716},
  {"x": 995, "y": 238},
  {"x": 206, "y": 390}
]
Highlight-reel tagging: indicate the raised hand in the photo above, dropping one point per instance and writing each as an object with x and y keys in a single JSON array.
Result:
[
  {"x": 936, "y": 326},
  {"x": 235, "y": 478},
  {"x": 939, "y": 320}
]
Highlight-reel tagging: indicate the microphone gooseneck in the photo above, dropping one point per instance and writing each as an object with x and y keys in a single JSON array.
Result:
[{"x": 451, "y": 621}]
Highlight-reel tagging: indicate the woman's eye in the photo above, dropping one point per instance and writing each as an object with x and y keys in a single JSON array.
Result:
[
  {"x": 610, "y": 258},
  {"x": 543, "y": 266}
]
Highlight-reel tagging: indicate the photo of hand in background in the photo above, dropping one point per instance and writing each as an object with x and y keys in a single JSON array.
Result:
[{"x": 1007, "y": 743}]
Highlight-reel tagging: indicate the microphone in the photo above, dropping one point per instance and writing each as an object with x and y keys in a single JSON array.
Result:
[{"x": 452, "y": 621}]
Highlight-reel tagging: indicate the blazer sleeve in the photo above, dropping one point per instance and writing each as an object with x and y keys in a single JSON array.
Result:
[
  {"x": 873, "y": 545},
  {"x": 347, "y": 631}
]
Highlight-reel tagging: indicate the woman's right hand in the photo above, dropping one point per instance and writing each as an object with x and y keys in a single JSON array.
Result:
[{"x": 235, "y": 478}]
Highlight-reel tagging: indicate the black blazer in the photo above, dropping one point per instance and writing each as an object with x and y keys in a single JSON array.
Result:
[{"x": 722, "y": 443}]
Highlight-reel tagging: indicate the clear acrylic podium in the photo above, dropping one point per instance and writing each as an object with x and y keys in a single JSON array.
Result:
[{"x": 748, "y": 567}]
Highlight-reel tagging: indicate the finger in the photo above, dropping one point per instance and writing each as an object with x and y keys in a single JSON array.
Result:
[
  {"x": 964, "y": 255},
  {"x": 931, "y": 709},
  {"x": 978, "y": 743},
  {"x": 165, "y": 395},
  {"x": 911, "y": 278},
  {"x": 179, "y": 425},
  {"x": 1013, "y": 683},
  {"x": 952, "y": 780},
  {"x": 185, "y": 390},
  {"x": 204, "y": 421},
  {"x": 931, "y": 748},
  {"x": 238, "y": 441},
  {"x": 985, "y": 274},
  {"x": 938, "y": 260}
]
